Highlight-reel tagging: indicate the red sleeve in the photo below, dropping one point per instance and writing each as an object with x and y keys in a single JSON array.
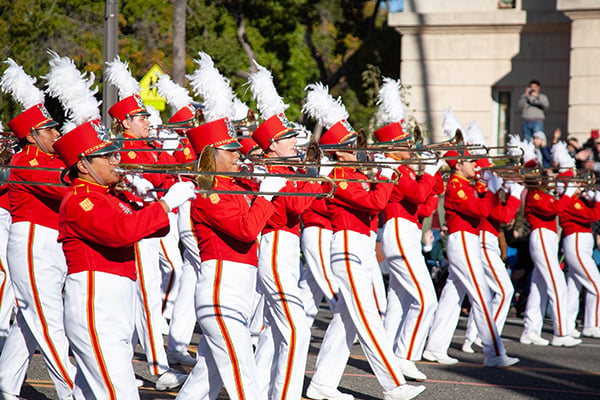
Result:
[
  {"x": 413, "y": 190},
  {"x": 428, "y": 208},
  {"x": 355, "y": 196},
  {"x": 504, "y": 213},
  {"x": 438, "y": 186},
  {"x": 100, "y": 219},
  {"x": 298, "y": 204},
  {"x": 546, "y": 205}
]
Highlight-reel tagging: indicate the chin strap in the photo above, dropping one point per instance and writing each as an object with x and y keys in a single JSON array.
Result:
[{"x": 92, "y": 172}]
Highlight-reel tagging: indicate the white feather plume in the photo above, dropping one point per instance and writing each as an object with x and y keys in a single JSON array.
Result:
[
  {"x": 1, "y": 127},
  {"x": 268, "y": 101},
  {"x": 517, "y": 147},
  {"x": 73, "y": 90},
  {"x": 118, "y": 74},
  {"x": 474, "y": 135},
  {"x": 20, "y": 86},
  {"x": 214, "y": 88},
  {"x": 450, "y": 124},
  {"x": 176, "y": 95},
  {"x": 239, "y": 110},
  {"x": 561, "y": 156},
  {"x": 391, "y": 108},
  {"x": 322, "y": 106}
]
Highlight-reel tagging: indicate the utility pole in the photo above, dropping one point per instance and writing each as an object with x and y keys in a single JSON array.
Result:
[
  {"x": 179, "y": 15},
  {"x": 111, "y": 50}
]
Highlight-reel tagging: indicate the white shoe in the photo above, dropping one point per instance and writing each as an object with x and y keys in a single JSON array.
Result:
[
  {"x": 566, "y": 341},
  {"x": 170, "y": 380},
  {"x": 575, "y": 334},
  {"x": 442, "y": 358},
  {"x": 478, "y": 342},
  {"x": 466, "y": 347},
  {"x": 591, "y": 331},
  {"x": 404, "y": 392},
  {"x": 500, "y": 361},
  {"x": 410, "y": 370},
  {"x": 534, "y": 339},
  {"x": 320, "y": 392},
  {"x": 138, "y": 382},
  {"x": 175, "y": 357}
]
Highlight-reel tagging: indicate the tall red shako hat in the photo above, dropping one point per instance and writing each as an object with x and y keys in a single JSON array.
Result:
[
  {"x": 88, "y": 139},
  {"x": 275, "y": 125},
  {"x": 391, "y": 114},
  {"x": 22, "y": 87},
  {"x": 332, "y": 116},
  {"x": 130, "y": 103}
]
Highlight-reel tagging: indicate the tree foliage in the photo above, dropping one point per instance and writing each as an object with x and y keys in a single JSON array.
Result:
[{"x": 301, "y": 41}]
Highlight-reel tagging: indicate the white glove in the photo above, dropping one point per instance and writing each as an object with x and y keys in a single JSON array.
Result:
[
  {"x": 597, "y": 196},
  {"x": 386, "y": 173},
  {"x": 432, "y": 169},
  {"x": 379, "y": 157},
  {"x": 259, "y": 169},
  {"x": 141, "y": 186},
  {"x": 326, "y": 167},
  {"x": 516, "y": 190},
  {"x": 486, "y": 176},
  {"x": 494, "y": 183},
  {"x": 178, "y": 194},
  {"x": 171, "y": 143},
  {"x": 271, "y": 184},
  {"x": 560, "y": 188},
  {"x": 590, "y": 195},
  {"x": 570, "y": 190}
]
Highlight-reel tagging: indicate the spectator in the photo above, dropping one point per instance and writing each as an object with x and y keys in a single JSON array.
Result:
[{"x": 533, "y": 105}]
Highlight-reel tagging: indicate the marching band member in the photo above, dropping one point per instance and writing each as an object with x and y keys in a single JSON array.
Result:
[
  {"x": 226, "y": 226},
  {"x": 35, "y": 259},
  {"x": 100, "y": 290},
  {"x": 408, "y": 319},
  {"x": 548, "y": 281},
  {"x": 283, "y": 345},
  {"x": 501, "y": 213},
  {"x": 464, "y": 211},
  {"x": 131, "y": 118},
  {"x": 578, "y": 244},
  {"x": 353, "y": 208}
]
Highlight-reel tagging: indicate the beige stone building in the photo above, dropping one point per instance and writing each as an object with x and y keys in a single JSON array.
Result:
[{"x": 477, "y": 57}]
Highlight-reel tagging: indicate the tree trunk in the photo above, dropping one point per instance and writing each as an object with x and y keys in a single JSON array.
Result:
[{"x": 179, "y": 15}]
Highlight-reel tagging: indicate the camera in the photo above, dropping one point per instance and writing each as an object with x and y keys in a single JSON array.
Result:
[{"x": 529, "y": 91}]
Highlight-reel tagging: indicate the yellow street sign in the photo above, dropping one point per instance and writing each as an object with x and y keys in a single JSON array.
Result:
[{"x": 149, "y": 94}]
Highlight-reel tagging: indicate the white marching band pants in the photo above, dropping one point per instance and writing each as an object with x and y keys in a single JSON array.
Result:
[
  {"x": 356, "y": 313},
  {"x": 582, "y": 273},
  {"x": 548, "y": 284},
  {"x": 100, "y": 322},
  {"x": 465, "y": 277},
  {"x": 498, "y": 281},
  {"x": 281, "y": 361},
  {"x": 412, "y": 299},
  {"x": 225, "y": 355},
  {"x": 38, "y": 271}
]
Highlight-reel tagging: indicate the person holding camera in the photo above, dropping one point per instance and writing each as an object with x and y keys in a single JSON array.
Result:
[{"x": 533, "y": 104}]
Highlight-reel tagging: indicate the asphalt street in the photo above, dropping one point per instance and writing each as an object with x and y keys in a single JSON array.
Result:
[{"x": 543, "y": 373}]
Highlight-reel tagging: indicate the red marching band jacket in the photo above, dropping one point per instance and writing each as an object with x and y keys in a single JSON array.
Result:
[
  {"x": 227, "y": 225},
  {"x": 356, "y": 205},
  {"x": 317, "y": 214},
  {"x": 541, "y": 209},
  {"x": 288, "y": 209},
  {"x": 578, "y": 216},
  {"x": 98, "y": 230},
  {"x": 464, "y": 208},
  {"x": 35, "y": 203}
]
